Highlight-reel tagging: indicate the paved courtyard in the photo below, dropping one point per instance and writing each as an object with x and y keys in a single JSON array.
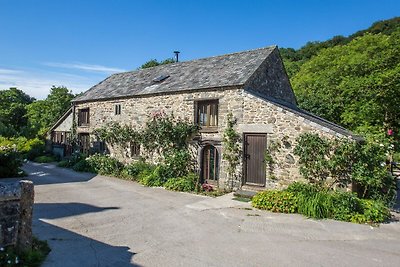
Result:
[{"x": 100, "y": 221}]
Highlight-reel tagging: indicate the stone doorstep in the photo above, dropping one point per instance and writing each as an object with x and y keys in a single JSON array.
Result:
[{"x": 245, "y": 193}]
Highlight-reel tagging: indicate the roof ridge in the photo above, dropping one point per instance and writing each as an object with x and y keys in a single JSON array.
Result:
[{"x": 198, "y": 59}]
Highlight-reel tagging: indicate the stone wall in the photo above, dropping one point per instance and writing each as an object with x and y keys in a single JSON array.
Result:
[
  {"x": 282, "y": 127},
  {"x": 136, "y": 111},
  {"x": 16, "y": 203},
  {"x": 270, "y": 80},
  {"x": 253, "y": 114}
]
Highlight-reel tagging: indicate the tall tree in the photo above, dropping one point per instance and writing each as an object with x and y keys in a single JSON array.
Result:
[
  {"x": 43, "y": 113},
  {"x": 13, "y": 103},
  {"x": 356, "y": 85}
]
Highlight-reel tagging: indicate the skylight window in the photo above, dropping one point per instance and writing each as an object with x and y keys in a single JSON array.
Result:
[{"x": 160, "y": 78}]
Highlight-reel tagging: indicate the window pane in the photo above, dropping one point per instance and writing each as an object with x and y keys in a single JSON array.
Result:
[{"x": 207, "y": 113}]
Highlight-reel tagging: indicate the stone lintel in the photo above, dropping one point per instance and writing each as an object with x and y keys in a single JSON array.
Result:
[{"x": 256, "y": 128}]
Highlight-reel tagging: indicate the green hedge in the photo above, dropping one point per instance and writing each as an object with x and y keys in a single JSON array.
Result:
[{"x": 312, "y": 202}]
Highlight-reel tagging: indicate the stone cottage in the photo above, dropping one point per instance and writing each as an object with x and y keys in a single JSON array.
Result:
[{"x": 252, "y": 85}]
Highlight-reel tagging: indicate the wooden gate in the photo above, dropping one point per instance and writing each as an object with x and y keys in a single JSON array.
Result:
[{"x": 254, "y": 163}]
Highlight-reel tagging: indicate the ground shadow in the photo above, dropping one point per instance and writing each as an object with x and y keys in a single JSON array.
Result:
[
  {"x": 72, "y": 249},
  {"x": 61, "y": 210}
]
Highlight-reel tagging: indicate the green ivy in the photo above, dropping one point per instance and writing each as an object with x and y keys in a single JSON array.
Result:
[{"x": 232, "y": 151}]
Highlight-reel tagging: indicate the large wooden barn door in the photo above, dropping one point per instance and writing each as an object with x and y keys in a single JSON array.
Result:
[{"x": 255, "y": 171}]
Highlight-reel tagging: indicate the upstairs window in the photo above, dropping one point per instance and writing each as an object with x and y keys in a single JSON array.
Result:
[
  {"x": 83, "y": 117},
  {"x": 118, "y": 109},
  {"x": 207, "y": 113}
]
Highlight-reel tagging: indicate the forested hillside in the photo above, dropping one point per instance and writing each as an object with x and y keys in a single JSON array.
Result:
[{"x": 353, "y": 81}]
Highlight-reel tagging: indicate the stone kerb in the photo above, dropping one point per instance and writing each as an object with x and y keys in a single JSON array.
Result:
[{"x": 16, "y": 205}]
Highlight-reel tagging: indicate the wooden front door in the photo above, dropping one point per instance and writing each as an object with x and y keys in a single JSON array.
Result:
[{"x": 254, "y": 150}]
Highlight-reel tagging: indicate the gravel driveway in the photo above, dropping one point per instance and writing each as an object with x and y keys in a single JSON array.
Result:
[{"x": 100, "y": 221}]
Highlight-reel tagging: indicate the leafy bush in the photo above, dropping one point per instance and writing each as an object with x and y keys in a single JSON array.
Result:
[
  {"x": 326, "y": 162},
  {"x": 29, "y": 148},
  {"x": 302, "y": 188},
  {"x": 72, "y": 160},
  {"x": 132, "y": 171},
  {"x": 184, "y": 184},
  {"x": 10, "y": 162},
  {"x": 373, "y": 211},
  {"x": 344, "y": 205},
  {"x": 63, "y": 164},
  {"x": 83, "y": 166},
  {"x": 33, "y": 148},
  {"x": 105, "y": 165},
  {"x": 153, "y": 178},
  {"x": 176, "y": 163},
  {"x": 275, "y": 201},
  {"x": 45, "y": 159}
]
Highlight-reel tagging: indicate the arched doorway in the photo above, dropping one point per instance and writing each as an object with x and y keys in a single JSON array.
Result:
[{"x": 210, "y": 164}]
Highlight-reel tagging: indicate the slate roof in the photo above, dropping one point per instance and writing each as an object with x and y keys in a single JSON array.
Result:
[{"x": 213, "y": 72}]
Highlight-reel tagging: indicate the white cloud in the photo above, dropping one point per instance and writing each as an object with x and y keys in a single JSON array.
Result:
[
  {"x": 85, "y": 67},
  {"x": 37, "y": 83},
  {"x": 9, "y": 71}
]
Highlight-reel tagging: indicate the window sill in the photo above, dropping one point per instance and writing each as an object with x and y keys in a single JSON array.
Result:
[
  {"x": 84, "y": 125},
  {"x": 208, "y": 130}
]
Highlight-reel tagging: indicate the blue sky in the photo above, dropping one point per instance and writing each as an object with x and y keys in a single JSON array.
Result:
[{"x": 79, "y": 43}]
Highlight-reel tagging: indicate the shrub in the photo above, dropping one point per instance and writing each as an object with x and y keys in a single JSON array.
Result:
[
  {"x": 302, "y": 188},
  {"x": 44, "y": 159},
  {"x": 184, "y": 184},
  {"x": 72, "y": 160},
  {"x": 275, "y": 201},
  {"x": 33, "y": 148},
  {"x": 10, "y": 162},
  {"x": 83, "y": 166},
  {"x": 373, "y": 211},
  {"x": 152, "y": 178},
  {"x": 176, "y": 164},
  {"x": 105, "y": 165},
  {"x": 327, "y": 162},
  {"x": 132, "y": 171},
  {"x": 344, "y": 205},
  {"x": 29, "y": 148},
  {"x": 63, "y": 164}
]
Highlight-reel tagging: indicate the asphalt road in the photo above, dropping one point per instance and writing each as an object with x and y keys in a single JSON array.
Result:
[{"x": 100, "y": 221}]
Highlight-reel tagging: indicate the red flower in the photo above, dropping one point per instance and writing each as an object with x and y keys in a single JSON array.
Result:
[{"x": 390, "y": 132}]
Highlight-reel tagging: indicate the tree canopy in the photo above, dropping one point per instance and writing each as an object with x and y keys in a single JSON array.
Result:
[
  {"x": 22, "y": 115},
  {"x": 13, "y": 103},
  {"x": 154, "y": 63},
  {"x": 43, "y": 113},
  {"x": 356, "y": 85},
  {"x": 294, "y": 59}
]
